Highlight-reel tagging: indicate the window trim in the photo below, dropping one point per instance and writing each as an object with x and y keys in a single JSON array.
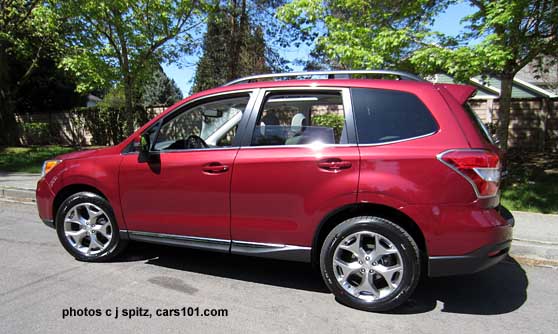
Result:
[
  {"x": 252, "y": 93},
  {"x": 246, "y": 142}
]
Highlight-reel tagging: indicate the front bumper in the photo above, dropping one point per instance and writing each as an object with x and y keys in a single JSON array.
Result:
[
  {"x": 49, "y": 223},
  {"x": 44, "y": 199},
  {"x": 475, "y": 261}
]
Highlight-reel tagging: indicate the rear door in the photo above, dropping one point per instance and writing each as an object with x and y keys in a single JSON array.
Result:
[{"x": 298, "y": 161}]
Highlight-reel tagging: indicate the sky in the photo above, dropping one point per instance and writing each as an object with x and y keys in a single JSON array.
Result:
[{"x": 447, "y": 22}]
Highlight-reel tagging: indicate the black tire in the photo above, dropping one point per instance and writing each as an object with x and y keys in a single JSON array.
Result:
[
  {"x": 115, "y": 246},
  {"x": 405, "y": 245}
]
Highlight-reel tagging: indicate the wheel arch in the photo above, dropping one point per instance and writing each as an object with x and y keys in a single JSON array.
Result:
[
  {"x": 341, "y": 214},
  {"x": 68, "y": 191}
]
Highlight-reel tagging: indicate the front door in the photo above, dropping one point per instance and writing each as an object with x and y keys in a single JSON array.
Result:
[{"x": 183, "y": 190}]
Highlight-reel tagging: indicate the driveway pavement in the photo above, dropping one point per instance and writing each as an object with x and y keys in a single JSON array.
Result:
[{"x": 39, "y": 282}]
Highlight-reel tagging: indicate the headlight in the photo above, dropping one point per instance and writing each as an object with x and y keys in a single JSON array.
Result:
[{"x": 48, "y": 166}]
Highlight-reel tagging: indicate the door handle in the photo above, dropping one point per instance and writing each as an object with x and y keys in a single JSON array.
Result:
[
  {"x": 215, "y": 167},
  {"x": 334, "y": 164}
]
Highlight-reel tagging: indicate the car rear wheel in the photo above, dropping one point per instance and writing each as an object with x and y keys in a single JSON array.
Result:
[
  {"x": 370, "y": 263},
  {"x": 86, "y": 227}
]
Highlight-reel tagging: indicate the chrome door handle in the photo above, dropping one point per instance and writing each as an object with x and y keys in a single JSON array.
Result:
[{"x": 215, "y": 168}]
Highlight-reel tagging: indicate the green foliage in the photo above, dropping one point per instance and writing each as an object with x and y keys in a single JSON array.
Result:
[
  {"x": 360, "y": 33},
  {"x": 116, "y": 41},
  {"x": 27, "y": 27},
  {"x": 28, "y": 159},
  {"x": 30, "y": 39},
  {"x": 330, "y": 120},
  {"x": 37, "y": 133},
  {"x": 531, "y": 183},
  {"x": 105, "y": 122},
  {"x": 365, "y": 34},
  {"x": 501, "y": 37}
]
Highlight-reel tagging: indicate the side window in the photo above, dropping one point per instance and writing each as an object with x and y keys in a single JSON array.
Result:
[
  {"x": 299, "y": 119},
  {"x": 386, "y": 115},
  {"x": 208, "y": 125}
]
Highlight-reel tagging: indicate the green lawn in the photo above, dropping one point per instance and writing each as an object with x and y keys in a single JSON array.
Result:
[
  {"x": 29, "y": 159},
  {"x": 532, "y": 183}
]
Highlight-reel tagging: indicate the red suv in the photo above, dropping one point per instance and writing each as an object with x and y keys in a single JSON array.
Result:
[{"x": 374, "y": 180}]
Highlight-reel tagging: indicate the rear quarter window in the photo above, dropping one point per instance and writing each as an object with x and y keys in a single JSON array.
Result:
[
  {"x": 384, "y": 116},
  {"x": 479, "y": 125}
]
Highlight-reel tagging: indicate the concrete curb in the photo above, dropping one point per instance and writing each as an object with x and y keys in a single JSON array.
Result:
[
  {"x": 537, "y": 250},
  {"x": 17, "y": 194}
]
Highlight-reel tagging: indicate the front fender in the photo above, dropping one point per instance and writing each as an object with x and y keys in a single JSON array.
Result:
[{"x": 100, "y": 173}]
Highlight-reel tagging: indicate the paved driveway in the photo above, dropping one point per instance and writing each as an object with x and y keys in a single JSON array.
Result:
[{"x": 38, "y": 281}]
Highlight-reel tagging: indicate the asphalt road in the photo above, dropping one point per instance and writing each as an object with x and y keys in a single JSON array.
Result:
[{"x": 39, "y": 281}]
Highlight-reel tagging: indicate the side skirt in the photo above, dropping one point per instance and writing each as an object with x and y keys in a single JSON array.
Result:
[
  {"x": 273, "y": 251},
  {"x": 217, "y": 245}
]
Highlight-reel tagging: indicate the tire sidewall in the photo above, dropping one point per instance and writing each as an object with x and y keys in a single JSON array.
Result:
[
  {"x": 87, "y": 197},
  {"x": 401, "y": 240}
]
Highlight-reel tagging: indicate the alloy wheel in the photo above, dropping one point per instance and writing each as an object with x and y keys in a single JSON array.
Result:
[
  {"x": 88, "y": 228},
  {"x": 368, "y": 266}
]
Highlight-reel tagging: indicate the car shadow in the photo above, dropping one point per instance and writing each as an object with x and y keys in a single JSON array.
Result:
[
  {"x": 293, "y": 275},
  {"x": 497, "y": 290}
]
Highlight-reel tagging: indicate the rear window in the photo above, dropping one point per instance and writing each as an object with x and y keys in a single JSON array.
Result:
[
  {"x": 385, "y": 115},
  {"x": 481, "y": 127}
]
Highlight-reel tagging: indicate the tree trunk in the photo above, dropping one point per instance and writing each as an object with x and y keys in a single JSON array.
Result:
[
  {"x": 128, "y": 91},
  {"x": 9, "y": 134},
  {"x": 129, "y": 104},
  {"x": 504, "y": 110}
]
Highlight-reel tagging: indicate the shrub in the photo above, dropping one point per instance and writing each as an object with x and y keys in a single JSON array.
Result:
[
  {"x": 36, "y": 133},
  {"x": 333, "y": 121}
]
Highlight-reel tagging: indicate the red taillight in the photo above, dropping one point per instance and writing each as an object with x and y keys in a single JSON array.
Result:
[{"x": 480, "y": 167}]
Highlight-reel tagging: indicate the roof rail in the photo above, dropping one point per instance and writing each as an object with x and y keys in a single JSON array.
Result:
[{"x": 330, "y": 75}]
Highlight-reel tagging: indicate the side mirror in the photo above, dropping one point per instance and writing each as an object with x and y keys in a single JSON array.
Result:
[
  {"x": 144, "y": 147},
  {"x": 145, "y": 143}
]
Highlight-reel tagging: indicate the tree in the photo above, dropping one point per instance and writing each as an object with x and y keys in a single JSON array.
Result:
[
  {"x": 115, "y": 41},
  {"x": 29, "y": 36},
  {"x": 238, "y": 42},
  {"x": 159, "y": 89},
  {"x": 366, "y": 34}
]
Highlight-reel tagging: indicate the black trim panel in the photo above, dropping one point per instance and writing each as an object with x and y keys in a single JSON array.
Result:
[
  {"x": 470, "y": 263},
  {"x": 218, "y": 245},
  {"x": 273, "y": 251},
  {"x": 123, "y": 234},
  {"x": 49, "y": 223}
]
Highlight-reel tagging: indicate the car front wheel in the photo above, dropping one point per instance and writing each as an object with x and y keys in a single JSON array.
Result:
[
  {"x": 370, "y": 263},
  {"x": 86, "y": 227}
]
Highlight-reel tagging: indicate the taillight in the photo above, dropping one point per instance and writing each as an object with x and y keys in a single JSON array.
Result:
[{"x": 480, "y": 167}]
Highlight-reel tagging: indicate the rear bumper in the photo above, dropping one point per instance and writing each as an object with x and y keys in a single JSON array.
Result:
[{"x": 475, "y": 261}]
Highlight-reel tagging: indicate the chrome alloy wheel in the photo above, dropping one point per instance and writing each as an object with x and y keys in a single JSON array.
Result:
[
  {"x": 88, "y": 228},
  {"x": 368, "y": 265}
]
